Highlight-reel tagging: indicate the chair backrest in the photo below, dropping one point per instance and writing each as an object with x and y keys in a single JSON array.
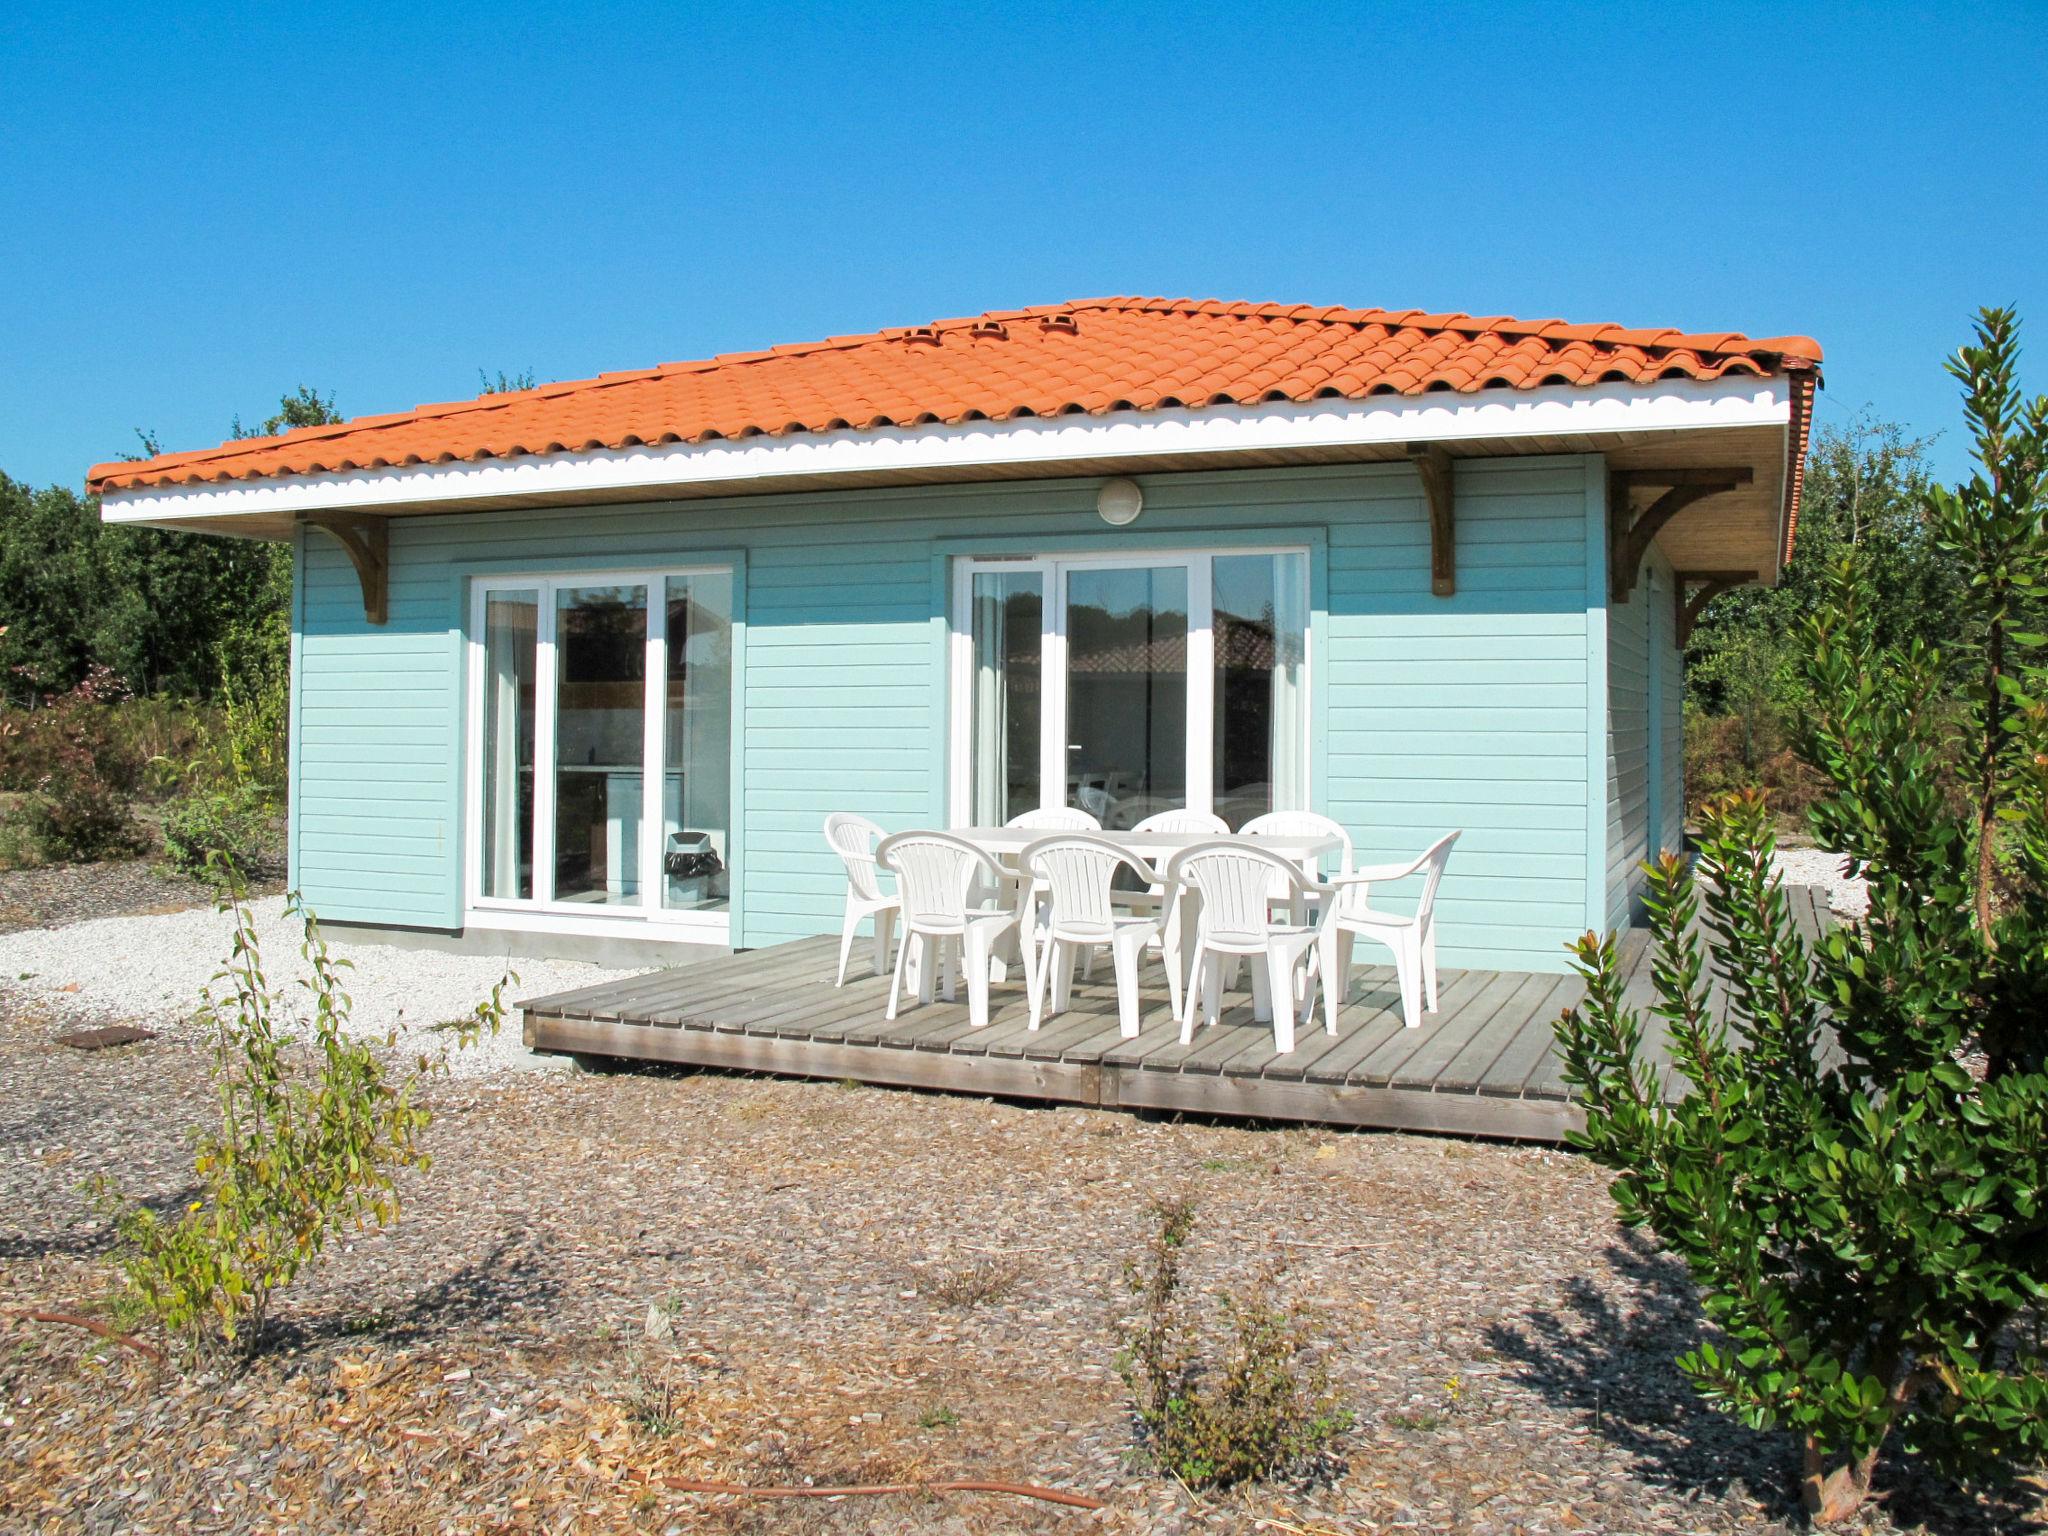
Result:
[
  {"x": 853, "y": 838},
  {"x": 934, "y": 872},
  {"x": 1434, "y": 859},
  {"x": 1299, "y": 824},
  {"x": 1185, "y": 822},
  {"x": 1079, "y": 870},
  {"x": 1066, "y": 818},
  {"x": 1429, "y": 864},
  {"x": 1236, "y": 881}
]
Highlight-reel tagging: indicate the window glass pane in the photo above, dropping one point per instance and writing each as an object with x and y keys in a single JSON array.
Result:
[
  {"x": 1008, "y": 620},
  {"x": 600, "y": 737},
  {"x": 696, "y": 780},
  {"x": 511, "y": 639},
  {"x": 1127, "y": 691},
  {"x": 1261, "y": 635}
]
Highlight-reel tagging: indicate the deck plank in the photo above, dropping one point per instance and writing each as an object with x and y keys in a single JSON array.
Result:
[{"x": 1485, "y": 1064}]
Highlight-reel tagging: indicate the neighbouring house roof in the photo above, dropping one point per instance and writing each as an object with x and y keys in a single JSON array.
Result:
[{"x": 1093, "y": 356}]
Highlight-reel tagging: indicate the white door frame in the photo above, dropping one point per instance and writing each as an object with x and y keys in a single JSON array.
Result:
[
  {"x": 1052, "y": 570},
  {"x": 542, "y": 911}
]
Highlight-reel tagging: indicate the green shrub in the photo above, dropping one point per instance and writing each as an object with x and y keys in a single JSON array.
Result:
[
  {"x": 1261, "y": 1409},
  {"x": 208, "y": 830},
  {"x": 314, "y": 1127},
  {"x": 255, "y": 702},
  {"x": 1856, "y": 1176},
  {"x": 76, "y": 771}
]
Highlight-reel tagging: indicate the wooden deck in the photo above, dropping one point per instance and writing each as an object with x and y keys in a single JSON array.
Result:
[{"x": 1484, "y": 1065}]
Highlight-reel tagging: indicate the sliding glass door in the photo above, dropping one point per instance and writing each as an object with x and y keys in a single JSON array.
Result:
[
  {"x": 1131, "y": 685},
  {"x": 602, "y": 744}
]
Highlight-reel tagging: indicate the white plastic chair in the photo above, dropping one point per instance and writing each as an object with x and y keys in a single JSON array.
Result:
[
  {"x": 1060, "y": 818},
  {"x": 1412, "y": 939},
  {"x": 1301, "y": 824},
  {"x": 1236, "y": 880},
  {"x": 1186, "y": 822},
  {"x": 853, "y": 838},
  {"x": 1076, "y": 870},
  {"x": 934, "y": 872}
]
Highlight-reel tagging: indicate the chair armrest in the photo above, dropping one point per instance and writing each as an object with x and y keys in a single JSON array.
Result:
[{"x": 1371, "y": 874}]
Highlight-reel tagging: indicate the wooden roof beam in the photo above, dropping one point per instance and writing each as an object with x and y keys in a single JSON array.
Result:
[
  {"x": 1433, "y": 463},
  {"x": 1630, "y": 532},
  {"x": 1711, "y": 585},
  {"x": 367, "y": 543}
]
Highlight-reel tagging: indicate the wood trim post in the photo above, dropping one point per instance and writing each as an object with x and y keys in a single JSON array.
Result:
[
  {"x": 1632, "y": 531},
  {"x": 1711, "y": 585},
  {"x": 1433, "y": 464},
  {"x": 367, "y": 543}
]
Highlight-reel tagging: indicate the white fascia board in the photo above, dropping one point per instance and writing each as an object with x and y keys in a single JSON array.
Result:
[{"x": 1554, "y": 411}]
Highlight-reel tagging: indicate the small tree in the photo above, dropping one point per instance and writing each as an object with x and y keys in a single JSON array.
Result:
[
  {"x": 314, "y": 1128},
  {"x": 1857, "y": 1174}
]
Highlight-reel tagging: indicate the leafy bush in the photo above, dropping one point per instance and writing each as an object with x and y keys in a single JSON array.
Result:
[
  {"x": 1262, "y": 1409},
  {"x": 77, "y": 772},
  {"x": 313, "y": 1131},
  {"x": 1869, "y": 1234},
  {"x": 255, "y": 702},
  {"x": 211, "y": 830}
]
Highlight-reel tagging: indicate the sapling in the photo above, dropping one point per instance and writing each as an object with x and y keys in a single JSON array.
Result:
[{"x": 1856, "y": 1173}]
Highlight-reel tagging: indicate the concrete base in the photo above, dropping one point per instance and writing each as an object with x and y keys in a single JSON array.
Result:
[{"x": 617, "y": 953}]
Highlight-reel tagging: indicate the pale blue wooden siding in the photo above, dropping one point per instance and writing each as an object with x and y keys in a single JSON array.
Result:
[
  {"x": 1470, "y": 712},
  {"x": 1645, "y": 789},
  {"x": 1668, "y": 721}
]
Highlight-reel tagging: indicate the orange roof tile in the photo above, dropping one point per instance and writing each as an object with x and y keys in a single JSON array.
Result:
[{"x": 1093, "y": 356}]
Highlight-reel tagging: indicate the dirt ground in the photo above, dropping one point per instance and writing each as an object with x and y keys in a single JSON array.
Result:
[{"x": 612, "y": 1277}]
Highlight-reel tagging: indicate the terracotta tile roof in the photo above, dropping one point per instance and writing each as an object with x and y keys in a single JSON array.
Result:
[{"x": 1092, "y": 356}]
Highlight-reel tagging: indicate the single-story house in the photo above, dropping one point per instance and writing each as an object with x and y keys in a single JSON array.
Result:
[{"x": 584, "y": 667}]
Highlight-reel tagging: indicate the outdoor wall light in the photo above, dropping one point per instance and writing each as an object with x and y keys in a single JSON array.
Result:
[{"x": 1120, "y": 501}]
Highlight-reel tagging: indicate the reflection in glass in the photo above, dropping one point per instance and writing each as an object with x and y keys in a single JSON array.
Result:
[
  {"x": 1127, "y": 691},
  {"x": 1008, "y": 623},
  {"x": 511, "y": 640},
  {"x": 696, "y": 798},
  {"x": 600, "y": 737},
  {"x": 1261, "y": 624}
]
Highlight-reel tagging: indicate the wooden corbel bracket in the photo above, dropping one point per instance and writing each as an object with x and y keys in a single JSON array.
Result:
[
  {"x": 367, "y": 543},
  {"x": 1630, "y": 531},
  {"x": 1433, "y": 464},
  {"x": 1711, "y": 585}
]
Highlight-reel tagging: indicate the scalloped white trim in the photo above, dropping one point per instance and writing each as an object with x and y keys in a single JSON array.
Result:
[{"x": 1556, "y": 411}]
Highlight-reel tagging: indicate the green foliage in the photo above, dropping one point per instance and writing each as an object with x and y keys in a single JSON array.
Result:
[
  {"x": 1258, "y": 1411},
  {"x": 1870, "y": 1235},
  {"x": 1865, "y": 495},
  {"x": 505, "y": 384},
  {"x": 313, "y": 1130},
  {"x": 216, "y": 830},
  {"x": 303, "y": 407},
  {"x": 75, "y": 771},
  {"x": 156, "y": 608}
]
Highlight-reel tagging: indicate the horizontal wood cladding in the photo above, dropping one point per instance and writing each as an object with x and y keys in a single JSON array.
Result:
[{"x": 1467, "y": 711}]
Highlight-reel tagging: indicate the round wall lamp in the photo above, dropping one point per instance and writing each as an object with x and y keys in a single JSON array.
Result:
[{"x": 1120, "y": 501}]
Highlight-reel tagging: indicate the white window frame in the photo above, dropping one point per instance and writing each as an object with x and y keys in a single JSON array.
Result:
[
  {"x": 540, "y": 913},
  {"x": 1052, "y": 721}
]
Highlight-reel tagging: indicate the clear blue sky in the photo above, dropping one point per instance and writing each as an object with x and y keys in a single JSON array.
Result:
[{"x": 204, "y": 206}]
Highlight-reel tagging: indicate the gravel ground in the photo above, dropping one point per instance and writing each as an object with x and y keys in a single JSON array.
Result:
[
  {"x": 717, "y": 1277},
  {"x": 151, "y": 969},
  {"x": 1816, "y": 866},
  {"x": 73, "y": 893}
]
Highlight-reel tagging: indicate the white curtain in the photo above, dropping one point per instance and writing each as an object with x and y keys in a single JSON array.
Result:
[
  {"x": 1290, "y": 702},
  {"x": 989, "y": 748}
]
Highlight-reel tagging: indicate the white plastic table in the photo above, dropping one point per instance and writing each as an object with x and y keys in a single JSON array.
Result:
[{"x": 1004, "y": 844}]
